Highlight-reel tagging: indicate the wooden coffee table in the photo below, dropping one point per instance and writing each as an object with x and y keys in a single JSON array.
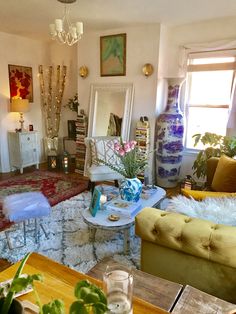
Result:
[
  {"x": 193, "y": 300},
  {"x": 154, "y": 290},
  {"x": 100, "y": 221},
  {"x": 59, "y": 282}
]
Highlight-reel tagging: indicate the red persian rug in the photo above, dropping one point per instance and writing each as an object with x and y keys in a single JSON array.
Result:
[{"x": 56, "y": 187}]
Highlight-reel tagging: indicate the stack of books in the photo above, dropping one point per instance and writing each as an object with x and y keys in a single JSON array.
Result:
[
  {"x": 124, "y": 208},
  {"x": 81, "y": 133},
  {"x": 148, "y": 191}
]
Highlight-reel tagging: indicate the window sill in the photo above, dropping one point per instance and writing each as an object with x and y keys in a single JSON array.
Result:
[{"x": 190, "y": 152}]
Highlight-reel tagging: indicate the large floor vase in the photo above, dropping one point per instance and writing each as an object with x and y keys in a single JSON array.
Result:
[
  {"x": 170, "y": 130},
  {"x": 130, "y": 189}
]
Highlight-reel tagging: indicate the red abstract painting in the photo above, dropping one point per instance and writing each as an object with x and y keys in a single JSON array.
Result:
[{"x": 21, "y": 82}]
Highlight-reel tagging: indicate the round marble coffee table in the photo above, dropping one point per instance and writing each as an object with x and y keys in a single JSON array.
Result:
[{"x": 101, "y": 221}]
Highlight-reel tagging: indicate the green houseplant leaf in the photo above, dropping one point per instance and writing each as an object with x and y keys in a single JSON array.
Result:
[
  {"x": 216, "y": 145},
  {"x": 90, "y": 298}
]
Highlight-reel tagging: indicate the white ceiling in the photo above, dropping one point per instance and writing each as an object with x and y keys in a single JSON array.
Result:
[{"x": 30, "y": 18}]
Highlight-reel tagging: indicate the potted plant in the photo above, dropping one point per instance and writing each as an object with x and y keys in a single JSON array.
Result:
[
  {"x": 217, "y": 145},
  {"x": 73, "y": 103},
  {"x": 90, "y": 298},
  {"x": 129, "y": 162}
]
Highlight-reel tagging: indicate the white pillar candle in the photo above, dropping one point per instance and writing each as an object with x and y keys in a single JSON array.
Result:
[
  {"x": 73, "y": 32},
  {"x": 58, "y": 23},
  {"x": 52, "y": 29},
  {"x": 79, "y": 27},
  {"x": 103, "y": 199}
]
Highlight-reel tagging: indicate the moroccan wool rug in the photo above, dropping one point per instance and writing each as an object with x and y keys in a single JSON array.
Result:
[
  {"x": 56, "y": 187},
  {"x": 67, "y": 238}
]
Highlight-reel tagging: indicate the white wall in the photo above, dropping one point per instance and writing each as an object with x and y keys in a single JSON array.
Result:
[
  {"x": 142, "y": 47},
  {"x": 19, "y": 51},
  {"x": 27, "y": 52}
]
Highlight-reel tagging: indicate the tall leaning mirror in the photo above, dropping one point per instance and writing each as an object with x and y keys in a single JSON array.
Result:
[{"x": 110, "y": 110}]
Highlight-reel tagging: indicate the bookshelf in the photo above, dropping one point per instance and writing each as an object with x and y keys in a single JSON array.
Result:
[
  {"x": 142, "y": 137},
  {"x": 81, "y": 132}
]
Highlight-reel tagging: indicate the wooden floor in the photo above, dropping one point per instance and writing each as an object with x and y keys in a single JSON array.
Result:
[{"x": 3, "y": 263}]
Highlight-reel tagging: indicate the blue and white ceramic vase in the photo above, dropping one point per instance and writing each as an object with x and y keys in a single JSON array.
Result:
[
  {"x": 170, "y": 131},
  {"x": 130, "y": 189}
]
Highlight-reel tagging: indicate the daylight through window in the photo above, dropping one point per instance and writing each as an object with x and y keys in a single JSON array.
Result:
[{"x": 209, "y": 84}]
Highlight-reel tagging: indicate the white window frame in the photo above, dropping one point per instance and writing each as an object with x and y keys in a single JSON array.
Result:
[{"x": 203, "y": 67}]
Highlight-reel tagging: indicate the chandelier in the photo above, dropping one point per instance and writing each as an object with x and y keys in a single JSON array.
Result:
[{"x": 65, "y": 31}]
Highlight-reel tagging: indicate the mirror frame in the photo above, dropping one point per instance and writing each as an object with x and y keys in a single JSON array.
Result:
[{"x": 128, "y": 88}]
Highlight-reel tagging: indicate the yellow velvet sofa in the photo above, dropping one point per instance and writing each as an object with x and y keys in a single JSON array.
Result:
[
  {"x": 189, "y": 251},
  {"x": 221, "y": 179}
]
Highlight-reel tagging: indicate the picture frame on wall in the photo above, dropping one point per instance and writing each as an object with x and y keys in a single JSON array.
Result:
[
  {"x": 71, "y": 124},
  {"x": 113, "y": 55},
  {"x": 20, "y": 82},
  {"x": 95, "y": 202}
]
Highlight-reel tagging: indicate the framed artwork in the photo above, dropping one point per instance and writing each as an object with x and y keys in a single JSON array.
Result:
[
  {"x": 21, "y": 82},
  {"x": 113, "y": 55},
  {"x": 95, "y": 202},
  {"x": 71, "y": 129}
]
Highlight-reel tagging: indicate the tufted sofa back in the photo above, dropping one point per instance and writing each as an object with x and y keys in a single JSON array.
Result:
[{"x": 188, "y": 250}]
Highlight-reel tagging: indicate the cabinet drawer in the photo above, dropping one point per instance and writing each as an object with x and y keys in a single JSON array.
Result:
[{"x": 28, "y": 140}]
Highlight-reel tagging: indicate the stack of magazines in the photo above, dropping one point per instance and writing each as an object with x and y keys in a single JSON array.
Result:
[{"x": 124, "y": 208}]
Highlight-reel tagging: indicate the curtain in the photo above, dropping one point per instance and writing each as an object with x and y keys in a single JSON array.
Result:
[
  {"x": 231, "y": 124},
  {"x": 206, "y": 47}
]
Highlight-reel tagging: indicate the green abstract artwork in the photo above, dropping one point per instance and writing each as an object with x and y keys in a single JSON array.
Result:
[{"x": 113, "y": 55}]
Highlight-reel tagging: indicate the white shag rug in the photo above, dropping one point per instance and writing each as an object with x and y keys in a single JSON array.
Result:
[
  {"x": 220, "y": 210},
  {"x": 68, "y": 239}
]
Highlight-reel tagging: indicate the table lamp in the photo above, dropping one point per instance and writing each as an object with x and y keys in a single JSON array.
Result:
[{"x": 21, "y": 106}]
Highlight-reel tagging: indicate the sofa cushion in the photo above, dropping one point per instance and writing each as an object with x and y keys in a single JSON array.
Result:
[
  {"x": 224, "y": 179},
  {"x": 200, "y": 195}
]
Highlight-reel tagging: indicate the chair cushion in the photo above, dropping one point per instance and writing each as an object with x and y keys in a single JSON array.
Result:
[
  {"x": 224, "y": 179},
  {"x": 200, "y": 195},
  {"x": 102, "y": 173}
]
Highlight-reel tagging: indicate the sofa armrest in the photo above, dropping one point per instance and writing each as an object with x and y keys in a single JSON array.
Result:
[{"x": 193, "y": 236}]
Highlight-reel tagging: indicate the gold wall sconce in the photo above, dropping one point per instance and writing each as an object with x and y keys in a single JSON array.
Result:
[
  {"x": 83, "y": 71},
  {"x": 147, "y": 69}
]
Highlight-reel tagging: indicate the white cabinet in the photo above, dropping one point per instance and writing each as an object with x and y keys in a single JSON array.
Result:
[{"x": 23, "y": 149}]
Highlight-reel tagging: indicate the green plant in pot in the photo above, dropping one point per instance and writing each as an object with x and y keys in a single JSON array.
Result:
[
  {"x": 216, "y": 145},
  {"x": 90, "y": 298}
]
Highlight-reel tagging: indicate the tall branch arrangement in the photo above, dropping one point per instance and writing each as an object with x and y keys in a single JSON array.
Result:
[{"x": 52, "y": 85}]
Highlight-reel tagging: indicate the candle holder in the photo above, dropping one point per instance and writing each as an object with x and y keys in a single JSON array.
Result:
[
  {"x": 118, "y": 286},
  {"x": 53, "y": 161},
  {"x": 65, "y": 162}
]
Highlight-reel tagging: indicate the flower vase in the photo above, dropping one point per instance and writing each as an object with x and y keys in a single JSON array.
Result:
[
  {"x": 130, "y": 189},
  {"x": 170, "y": 130}
]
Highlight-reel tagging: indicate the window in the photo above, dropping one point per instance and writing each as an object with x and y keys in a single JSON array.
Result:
[{"x": 209, "y": 83}]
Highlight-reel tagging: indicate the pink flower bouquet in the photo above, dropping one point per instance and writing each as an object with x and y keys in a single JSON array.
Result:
[{"x": 129, "y": 160}]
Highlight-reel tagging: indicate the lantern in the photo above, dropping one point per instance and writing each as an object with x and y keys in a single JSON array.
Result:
[
  {"x": 65, "y": 162},
  {"x": 53, "y": 161}
]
